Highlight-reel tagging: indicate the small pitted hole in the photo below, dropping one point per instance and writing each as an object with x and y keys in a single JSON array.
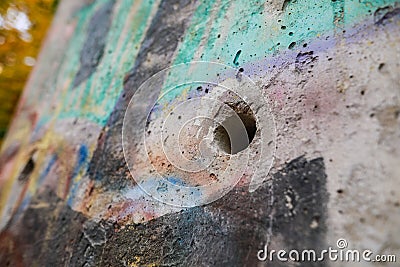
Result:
[{"x": 229, "y": 136}]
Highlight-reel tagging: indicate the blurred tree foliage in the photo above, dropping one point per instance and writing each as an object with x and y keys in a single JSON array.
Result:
[{"x": 23, "y": 26}]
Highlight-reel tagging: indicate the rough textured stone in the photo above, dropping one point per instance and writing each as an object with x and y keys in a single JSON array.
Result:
[{"x": 328, "y": 73}]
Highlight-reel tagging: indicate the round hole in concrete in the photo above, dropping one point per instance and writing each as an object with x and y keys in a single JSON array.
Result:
[{"x": 229, "y": 135}]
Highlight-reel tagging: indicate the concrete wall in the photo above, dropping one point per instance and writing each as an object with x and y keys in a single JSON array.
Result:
[{"x": 321, "y": 79}]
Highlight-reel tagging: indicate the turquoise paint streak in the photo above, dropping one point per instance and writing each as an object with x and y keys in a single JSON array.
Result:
[
  {"x": 133, "y": 45},
  {"x": 216, "y": 33},
  {"x": 195, "y": 32},
  {"x": 188, "y": 48},
  {"x": 61, "y": 93},
  {"x": 246, "y": 27},
  {"x": 108, "y": 79},
  {"x": 95, "y": 98},
  {"x": 363, "y": 8},
  {"x": 259, "y": 34}
]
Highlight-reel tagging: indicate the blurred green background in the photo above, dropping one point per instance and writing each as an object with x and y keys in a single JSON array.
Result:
[{"x": 23, "y": 27}]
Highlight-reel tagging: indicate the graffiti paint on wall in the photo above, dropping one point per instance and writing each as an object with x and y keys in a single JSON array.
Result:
[{"x": 329, "y": 71}]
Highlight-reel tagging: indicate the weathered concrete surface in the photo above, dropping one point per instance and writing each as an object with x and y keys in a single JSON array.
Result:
[
  {"x": 234, "y": 225},
  {"x": 331, "y": 73}
]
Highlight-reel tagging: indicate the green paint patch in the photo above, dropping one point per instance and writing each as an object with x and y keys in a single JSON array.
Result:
[
  {"x": 257, "y": 33},
  {"x": 245, "y": 31},
  {"x": 95, "y": 98},
  {"x": 230, "y": 32}
]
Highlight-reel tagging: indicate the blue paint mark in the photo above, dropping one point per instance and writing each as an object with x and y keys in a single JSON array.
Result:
[
  {"x": 156, "y": 108},
  {"x": 43, "y": 175},
  {"x": 176, "y": 181},
  {"x": 82, "y": 156},
  {"x": 162, "y": 187},
  {"x": 80, "y": 162},
  {"x": 23, "y": 206}
]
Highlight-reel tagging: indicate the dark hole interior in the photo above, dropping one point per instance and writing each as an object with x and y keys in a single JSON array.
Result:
[{"x": 233, "y": 143}]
